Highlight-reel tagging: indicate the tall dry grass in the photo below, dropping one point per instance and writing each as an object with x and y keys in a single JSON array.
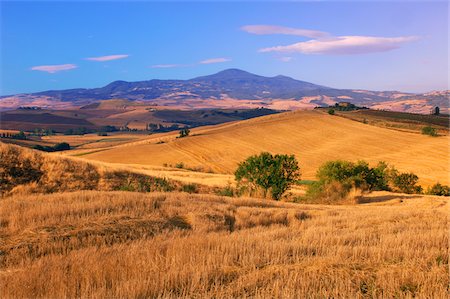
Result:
[
  {"x": 132, "y": 245},
  {"x": 25, "y": 171}
]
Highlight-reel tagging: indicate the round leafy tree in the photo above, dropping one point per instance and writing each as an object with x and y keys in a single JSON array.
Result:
[{"x": 274, "y": 174}]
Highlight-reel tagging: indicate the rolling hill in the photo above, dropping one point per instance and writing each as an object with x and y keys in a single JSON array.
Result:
[
  {"x": 313, "y": 136},
  {"x": 232, "y": 88}
]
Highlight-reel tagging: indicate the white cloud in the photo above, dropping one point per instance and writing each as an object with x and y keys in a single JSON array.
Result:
[
  {"x": 345, "y": 45},
  {"x": 214, "y": 60},
  {"x": 269, "y": 29},
  {"x": 324, "y": 43},
  {"x": 54, "y": 68},
  {"x": 108, "y": 57},
  {"x": 165, "y": 66}
]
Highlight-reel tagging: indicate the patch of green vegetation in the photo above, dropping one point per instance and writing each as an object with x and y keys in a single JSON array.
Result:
[
  {"x": 190, "y": 188},
  {"x": 438, "y": 189},
  {"x": 227, "y": 191},
  {"x": 430, "y": 131},
  {"x": 179, "y": 165},
  {"x": 337, "y": 178}
]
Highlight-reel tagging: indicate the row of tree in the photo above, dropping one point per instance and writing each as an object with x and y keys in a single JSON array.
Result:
[
  {"x": 21, "y": 135},
  {"x": 275, "y": 174}
]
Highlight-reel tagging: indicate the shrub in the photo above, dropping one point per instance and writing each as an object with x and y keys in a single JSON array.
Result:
[
  {"x": 190, "y": 188},
  {"x": 179, "y": 165},
  {"x": 184, "y": 133},
  {"x": 327, "y": 192},
  {"x": 428, "y": 130},
  {"x": 337, "y": 178},
  {"x": 269, "y": 173},
  {"x": 226, "y": 191},
  {"x": 438, "y": 189},
  {"x": 331, "y": 111},
  {"x": 406, "y": 183}
]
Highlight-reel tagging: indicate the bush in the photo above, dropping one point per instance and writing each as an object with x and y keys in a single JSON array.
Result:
[
  {"x": 337, "y": 178},
  {"x": 358, "y": 175},
  {"x": 438, "y": 189},
  {"x": 331, "y": 111},
  {"x": 190, "y": 188},
  {"x": 184, "y": 133},
  {"x": 428, "y": 130},
  {"x": 406, "y": 183},
  {"x": 269, "y": 173},
  {"x": 227, "y": 191},
  {"x": 329, "y": 192}
]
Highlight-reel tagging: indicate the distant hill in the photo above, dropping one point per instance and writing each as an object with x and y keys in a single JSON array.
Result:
[
  {"x": 229, "y": 89},
  {"x": 313, "y": 136}
]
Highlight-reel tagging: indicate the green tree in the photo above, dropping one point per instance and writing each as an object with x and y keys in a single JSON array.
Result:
[
  {"x": 274, "y": 174},
  {"x": 438, "y": 189},
  {"x": 331, "y": 111},
  {"x": 407, "y": 183}
]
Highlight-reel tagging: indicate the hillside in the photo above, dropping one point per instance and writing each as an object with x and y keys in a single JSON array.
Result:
[
  {"x": 94, "y": 244},
  {"x": 229, "y": 89},
  {"x": 129, "y": 114},
  {"x": 314, "y": 137},
  {"x": 24, "y": 171}
]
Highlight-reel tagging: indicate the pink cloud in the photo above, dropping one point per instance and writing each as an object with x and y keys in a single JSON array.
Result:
[
  {"x": 108, "y": 58},
  {"x": 54, "y": 68},
  {"x": 215, "y": 60},
  {"x": 270, "y": 29},
  {"x": 345, "y": 45}
]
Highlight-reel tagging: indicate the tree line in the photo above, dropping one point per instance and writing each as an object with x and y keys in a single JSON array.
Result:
[{"x": 273, "y": 175}]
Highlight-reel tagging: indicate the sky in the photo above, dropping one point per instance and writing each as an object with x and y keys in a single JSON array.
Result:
[{"x": 383, "y": 45}]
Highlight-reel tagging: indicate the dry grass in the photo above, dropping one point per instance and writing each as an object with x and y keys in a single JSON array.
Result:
[
  {"x": 132, "y": 245},
  {"x": 29, "y": 171},
  {"x": 314, "y": 137}
]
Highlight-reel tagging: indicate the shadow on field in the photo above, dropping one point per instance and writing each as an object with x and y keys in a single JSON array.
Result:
[{"x": 382, "y": 198}]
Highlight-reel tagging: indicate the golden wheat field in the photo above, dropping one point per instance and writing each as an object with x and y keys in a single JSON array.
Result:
[
  {"x": 92, "y": 244},
  {"x": 314, "y": 137}
]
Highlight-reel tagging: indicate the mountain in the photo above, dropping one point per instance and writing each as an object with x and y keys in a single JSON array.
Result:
[{"x": 229, "y": 89}]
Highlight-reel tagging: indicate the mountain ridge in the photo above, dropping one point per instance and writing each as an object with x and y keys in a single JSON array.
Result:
[{"x": 277, "y": 92}]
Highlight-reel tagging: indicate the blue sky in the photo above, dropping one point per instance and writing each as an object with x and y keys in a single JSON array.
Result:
[{"x": 368, "y": 45}]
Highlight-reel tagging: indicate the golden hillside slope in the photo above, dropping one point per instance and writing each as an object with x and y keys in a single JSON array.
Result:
[{"x": 314, "y": 137}]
